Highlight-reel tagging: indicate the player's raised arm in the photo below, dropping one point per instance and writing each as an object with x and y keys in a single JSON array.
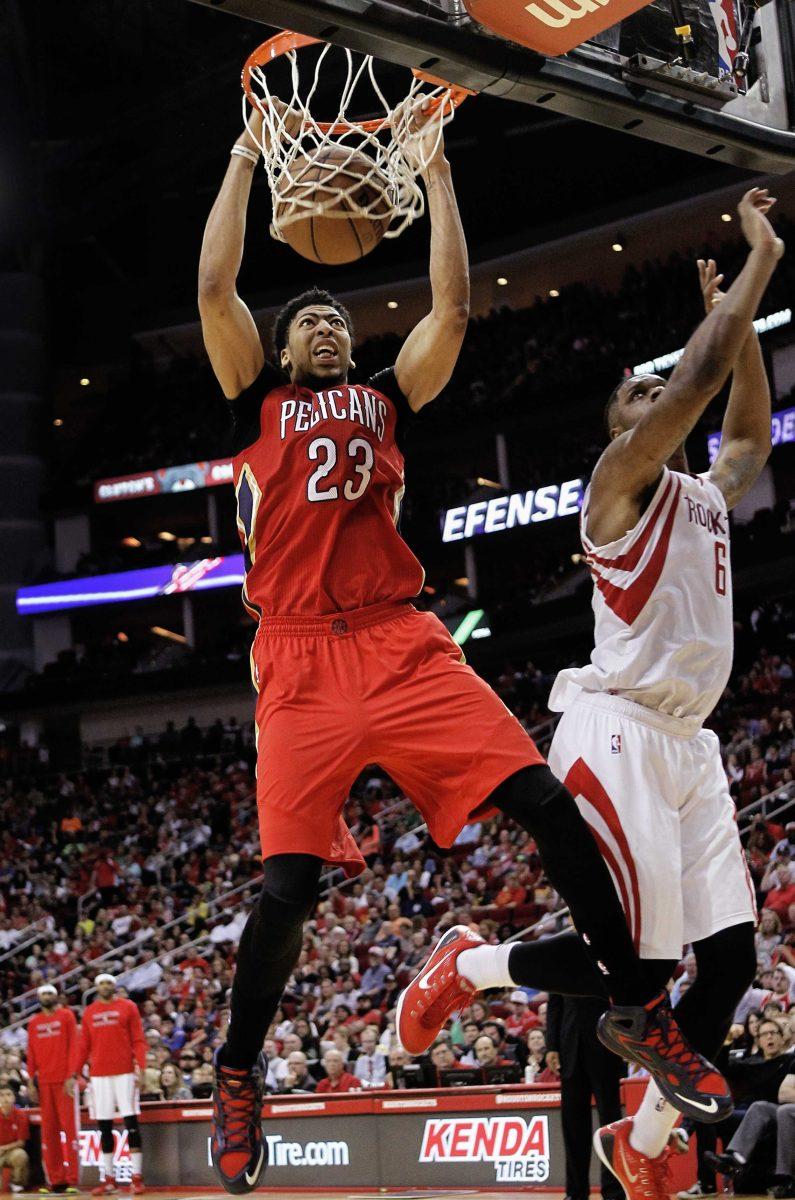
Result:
[
  {"x": 230, "y": 335},
  {"x": 430, "y": 352},
  {"x": 745, "y": 442},
  {"x": 635, "y": 457}
]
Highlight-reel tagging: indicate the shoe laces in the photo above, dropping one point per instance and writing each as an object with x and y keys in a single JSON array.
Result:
[
  {"x": 440, "y": 1000},
  {"x": 666, "y": 1037},
  {"x": 660, "y": 1170},
  {"x": 237, "y": 1100}
]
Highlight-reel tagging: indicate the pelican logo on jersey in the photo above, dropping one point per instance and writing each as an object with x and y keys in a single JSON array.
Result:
[
  {"x": 707, "y": 518},
  {"x": 346, "y": 403}
]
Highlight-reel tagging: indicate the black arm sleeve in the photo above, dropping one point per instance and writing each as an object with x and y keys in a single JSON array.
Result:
[
  {"x": 245, "y": 409},
  {"x": 386, "y": 383}
]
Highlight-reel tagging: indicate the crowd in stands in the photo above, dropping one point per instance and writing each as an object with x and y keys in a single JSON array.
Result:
[
  {"x": 569, "y": 349},
  {"x": 147, "y": 866}
]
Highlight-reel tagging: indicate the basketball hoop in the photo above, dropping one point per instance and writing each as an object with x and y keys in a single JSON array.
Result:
[{"x": 292, "y": 138}]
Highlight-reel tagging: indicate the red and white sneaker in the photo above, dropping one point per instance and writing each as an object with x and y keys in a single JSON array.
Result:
[
  {"x": 137, "y": 1185},
  {"x": 641, "y": 1177},
  {"x": 108, "y": 1188},
  {"x": 436, "y": 992}
]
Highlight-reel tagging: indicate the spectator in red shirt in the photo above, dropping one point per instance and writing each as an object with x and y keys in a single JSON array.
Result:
[
  {"x": 780, "y": 897},
  {"x": 337, "y": 1078},
  {"x": 443, "y": 1059},
  {"x": 105, "y": 876},
  {"x": 511, "y": 893},
  {"x": 486, "y": 1053},
  {"x": 522, "y": 1017},
  {"x": 14, "y": 1132}
]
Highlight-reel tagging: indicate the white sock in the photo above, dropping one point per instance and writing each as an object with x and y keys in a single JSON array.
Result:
[
  {"x": 107, "y": 1166},
  {"x": 652, "y": 1123},
  {"x": 486, "y": 966},
  {"x": 137, "y": 1159}
]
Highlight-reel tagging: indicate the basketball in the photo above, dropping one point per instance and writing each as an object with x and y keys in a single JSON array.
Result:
[{"x": 332, "y": 238}]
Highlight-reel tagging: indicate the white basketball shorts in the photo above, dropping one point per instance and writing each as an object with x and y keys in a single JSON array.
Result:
[
  {"x": 109, "y": 1094},
  {"x": 653, "y": 791}
]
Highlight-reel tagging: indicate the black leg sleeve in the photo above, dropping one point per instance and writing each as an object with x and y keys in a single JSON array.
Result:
[
  {"x": 539, "y": 802},
  {"x": 268, "y": 951},
  {"x": 133, "y": 1132},
  {"x": 726, "y": 966},
  {"x": 106, "y": 1136}
]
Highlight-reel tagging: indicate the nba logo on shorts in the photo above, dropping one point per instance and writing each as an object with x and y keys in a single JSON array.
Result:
[{"x": 615, "y": 743}]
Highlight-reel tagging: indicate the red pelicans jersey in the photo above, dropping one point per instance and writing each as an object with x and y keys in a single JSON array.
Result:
[
  {"x": 662, "y": 604},
  {"x": 319, "y": 482}
]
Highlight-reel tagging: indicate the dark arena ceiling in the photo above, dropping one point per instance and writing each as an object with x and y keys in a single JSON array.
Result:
[{"x": 118, "y": 117}]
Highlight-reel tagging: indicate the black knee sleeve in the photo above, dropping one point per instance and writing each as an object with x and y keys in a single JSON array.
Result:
[
  {"x": 106, "y": 1136},
  {"x": 271, "y": 940},
  {"x": 133, "y": 1132},
  {"x": 268, "y": 950},
  {"x": 726, "y": 966}
]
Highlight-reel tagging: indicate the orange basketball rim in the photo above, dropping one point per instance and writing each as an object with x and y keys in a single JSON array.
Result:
[{"x": 283, "y": 43}]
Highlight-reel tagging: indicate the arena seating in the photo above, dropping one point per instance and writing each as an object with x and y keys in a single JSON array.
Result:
[{"x": 145, "y": 863}]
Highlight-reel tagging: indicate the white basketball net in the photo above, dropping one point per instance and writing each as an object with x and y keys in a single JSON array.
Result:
[{"x": 397, "y": 155}]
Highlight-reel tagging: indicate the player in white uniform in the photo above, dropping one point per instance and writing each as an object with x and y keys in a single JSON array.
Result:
[{"x": 630, "y": 746}]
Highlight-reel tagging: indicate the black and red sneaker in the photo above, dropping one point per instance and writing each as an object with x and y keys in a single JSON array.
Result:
[
  {"x": 649, "y": 1036},
  {"x": 239, "y": 1151}
]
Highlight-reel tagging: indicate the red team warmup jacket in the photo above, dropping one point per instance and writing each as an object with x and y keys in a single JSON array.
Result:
[
  {"x": 53, "y": 1045},
  {"x": 14, "y": 1128},
  {"x": 112, "y": 1038}
]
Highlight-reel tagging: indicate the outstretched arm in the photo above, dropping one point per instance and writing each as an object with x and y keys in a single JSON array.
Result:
[
  {"x": 230, "y": 335},
  {"x": 745, "y": 442},
  {"x": 633, "y": 461},
  {"x": 430, "y": 352}
]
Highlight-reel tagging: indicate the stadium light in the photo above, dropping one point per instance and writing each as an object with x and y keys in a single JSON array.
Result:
[
  {"x": 391, "y": 303},
  {"x": 85, "y": 381},
  {"x": 501, "y": 280},
  {"x": 554, "y": 293}
]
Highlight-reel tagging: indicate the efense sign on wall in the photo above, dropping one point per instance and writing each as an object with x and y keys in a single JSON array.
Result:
[
  {"x": 782, "y": 429},
  {"x": 506, "y": 512}
]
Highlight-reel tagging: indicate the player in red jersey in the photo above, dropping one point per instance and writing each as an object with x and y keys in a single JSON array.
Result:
[
  {"x": 112, "y": 1042},
  {"x": 52, "y": 1055},
  {"x": 348, "y": 672}
]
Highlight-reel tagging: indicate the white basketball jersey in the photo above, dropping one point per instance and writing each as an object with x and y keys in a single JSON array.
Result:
[{"x": 662, "y": 604}]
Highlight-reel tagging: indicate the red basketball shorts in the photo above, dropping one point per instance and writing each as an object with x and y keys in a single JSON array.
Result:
[{"x": 384, "y": 685}]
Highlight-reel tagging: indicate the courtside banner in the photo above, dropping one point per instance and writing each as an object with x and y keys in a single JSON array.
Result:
[
  {"x": 380, "y": 1139},
  {"x": 782, "y": 429},
  {"x": 123, "y": 586},
  {"x": 187, "y": 478}
]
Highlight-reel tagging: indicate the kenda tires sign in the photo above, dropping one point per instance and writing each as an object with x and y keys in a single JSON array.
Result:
[{"x": 517, "y": 1147}]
